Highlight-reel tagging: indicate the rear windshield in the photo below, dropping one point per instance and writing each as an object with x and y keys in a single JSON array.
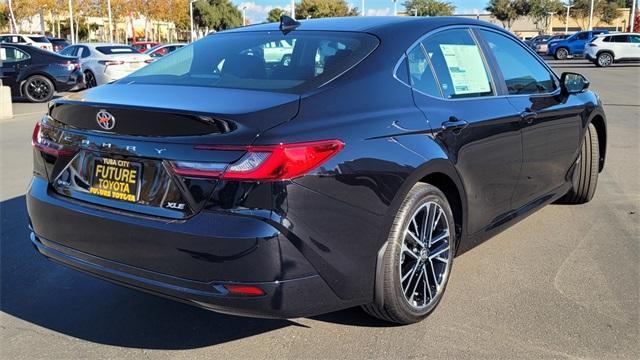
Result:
[
  {"x": 109, "y": 50},
  {"x": 272, "y": 61},
  {"x": 39, "y": 39}
]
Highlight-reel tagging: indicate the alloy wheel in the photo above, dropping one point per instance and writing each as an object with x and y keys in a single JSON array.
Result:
[
  {"x": 425, "y": 257},
  {"x": 562, "y": 54},
  {"x": 90, "y": 79},
  {"x": 38, "y": 89},
  {"x": 604, "y": 59}
]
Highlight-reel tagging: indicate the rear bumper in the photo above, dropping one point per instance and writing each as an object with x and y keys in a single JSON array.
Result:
[
  {"x": 188, "y": 261},
  {"x": 284, "y": 299}
]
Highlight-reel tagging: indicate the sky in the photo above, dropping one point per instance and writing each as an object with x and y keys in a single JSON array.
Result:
[{"x": 257, "y": 10}]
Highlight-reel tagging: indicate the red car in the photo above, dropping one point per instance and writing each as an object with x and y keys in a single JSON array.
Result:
[{"x": 143, "y": 46}]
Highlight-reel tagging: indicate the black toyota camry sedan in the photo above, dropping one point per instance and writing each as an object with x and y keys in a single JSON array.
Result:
[
  {"x": 292, "y": 169},
  {"x": 37, "y": 74}
]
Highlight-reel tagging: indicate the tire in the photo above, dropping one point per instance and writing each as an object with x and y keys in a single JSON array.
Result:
[
  {"x": 561, "y": 54},
  {"x": 38, "y": 88},
  {"x": 414, "y": 261},
  {"x": 585, "y": 177},
  {"x": 604, "y": 59},
  {"x": 90, "y": 79},
  {"x": 286, "y": 60}
]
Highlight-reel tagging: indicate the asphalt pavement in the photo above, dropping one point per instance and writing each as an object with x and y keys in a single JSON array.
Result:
[{"x": 563, "y": 283}]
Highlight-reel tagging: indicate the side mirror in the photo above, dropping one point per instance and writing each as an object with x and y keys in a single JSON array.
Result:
[{"x": 572, "y": 83}]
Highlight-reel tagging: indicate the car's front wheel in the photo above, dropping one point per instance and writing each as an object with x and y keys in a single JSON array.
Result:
[
  {"x": 38, "y": 88},
  {"x": 562, "y": 54},
  {"x": 604, "y": 59},
  {"x": 585, "y": 176},
  {"x": 418, "y": 257}
]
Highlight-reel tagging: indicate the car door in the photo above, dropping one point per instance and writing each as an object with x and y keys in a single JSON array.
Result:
[
  {"x": 622, "y": 47},
  {"x": 479, "y": 130},
  {"x": 579, "y": 42},
  {"x": 550, "y": 121},
  {"x": 13, "y": 61},
  {"x": 634, "y": 46}
]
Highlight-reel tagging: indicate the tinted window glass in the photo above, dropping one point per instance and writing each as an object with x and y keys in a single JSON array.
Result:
[
  {"x": 109, "y": 50},
  {"x": 402, "y": 72},
  {"x": 621, "y": 38},
  {"x": 582, "y": 36},
  {"x": 69, "y": 51},
  {"x": 39, "y": 39},
  {"x": 84, "y": 52},
  {"x": 607, "y": 39},
  {"x": 11, "y": 54},
  {"x": 458, "y": 64},
  {"x": 298, "y": 61},
  {"x": 421, "y": 74},
  {"x": 634, "y": 39},
  {"x": 522, "y": 72}
]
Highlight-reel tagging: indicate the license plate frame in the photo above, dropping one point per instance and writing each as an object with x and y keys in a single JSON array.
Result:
[{"x": 116, "y": 179}]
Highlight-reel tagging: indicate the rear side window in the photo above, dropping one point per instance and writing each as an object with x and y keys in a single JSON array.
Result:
[
  {"x": 458, "y": 64},
  {"x": 259, "y": 60},
  {"x": 522, "y": 72},
  {"x": 621, "y": 38},
  {"x": 111, "y": 50},
  {"x": 421, "y": 73},
  {"x": 607, "y": 39},
  {"x": 11, "y": 54}
]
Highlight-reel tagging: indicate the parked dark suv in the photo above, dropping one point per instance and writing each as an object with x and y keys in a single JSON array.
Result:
[{"x": 351, "y": 174}]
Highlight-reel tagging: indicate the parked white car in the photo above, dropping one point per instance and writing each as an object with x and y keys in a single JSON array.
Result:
[
  {"x": 103, "y": 63},
  {"x": 604, "y": 50},
  {"x": 38, "y": 41}
]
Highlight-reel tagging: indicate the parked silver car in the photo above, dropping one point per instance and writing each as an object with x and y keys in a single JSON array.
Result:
[{"x": 103, "y": 63}]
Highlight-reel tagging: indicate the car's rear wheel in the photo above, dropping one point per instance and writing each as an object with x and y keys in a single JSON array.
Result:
[
  {"x": 90, "y": 79},
  {"x": 38, "y": 88},
  {"x": 585, "y": 176},
  {"x": 418, "y": 257},
  {"x": 562, "y": 54},
  {"x": 604, "y": 59}
]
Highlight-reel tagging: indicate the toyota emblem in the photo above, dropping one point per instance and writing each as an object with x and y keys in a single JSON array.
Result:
[{"x": 105, "y": 120}]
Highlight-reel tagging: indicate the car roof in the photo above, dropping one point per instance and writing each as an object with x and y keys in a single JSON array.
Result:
[
  {"x": 371, "y": 24},
  {"x": 94, "y": 45}
]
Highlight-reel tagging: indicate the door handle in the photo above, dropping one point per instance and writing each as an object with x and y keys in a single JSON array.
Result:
[
  {"x": 528, "y": 116},
  {"x": 454, "y": 125}
]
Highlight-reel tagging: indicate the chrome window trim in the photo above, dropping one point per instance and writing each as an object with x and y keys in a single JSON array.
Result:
[
  {"x": 491, "y": 71},
  {"x": 6, "y": 45}
]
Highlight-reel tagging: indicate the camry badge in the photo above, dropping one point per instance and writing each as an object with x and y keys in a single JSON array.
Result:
[{"x": 105, "y": 120}]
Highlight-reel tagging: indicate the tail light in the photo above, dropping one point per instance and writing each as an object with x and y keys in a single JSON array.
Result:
[
  {"x": 70, "y": 65},
  {"x": 44, "y": 139},
  {"x": 592, "y": 45},
  {"x": 111, "y": 62},
  {"x": 149, "y": 61},
  {"x": 271, "y": 162}
]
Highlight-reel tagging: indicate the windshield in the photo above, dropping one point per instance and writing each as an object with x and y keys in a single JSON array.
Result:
[
  {"x": 39, "y": 39},
  {"x": 109, "y": 50},
  {"x": 295, "y": 62}
]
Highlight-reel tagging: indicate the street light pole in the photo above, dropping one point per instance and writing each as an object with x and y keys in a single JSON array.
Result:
[
  {"x": 395, "y": 7},
  {"x": 111, "y": 23},
  {"x": 362, "y": 12},
  {"x": 191, "y": 16},
  {"x": 566, "y": 22},
  {"x": 591, "y": 16},
  {"x": 550, "y": 26},
  {"x": 73, "y": 39},
  {"x": 244, "y": 16},
  {"x": 293, "y": 9}
]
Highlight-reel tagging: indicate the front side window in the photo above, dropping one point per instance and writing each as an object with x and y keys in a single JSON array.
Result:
[
  {"x": 259, "y": 60},
  {"x": 458, "y": 64},
  {"x": 582, "y": 36},
  {"x": 522, "y": 72},
  {"x": 634, "y": 39}
]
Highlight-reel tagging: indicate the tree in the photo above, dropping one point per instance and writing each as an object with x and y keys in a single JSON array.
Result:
[
  {"x": 508, "y": 11},
  {"x": 274, "y": 14},
  {"x": 324, "y": 8},
  {"x": 216, "y": 15},
  {"x": 429, "y": 7},
  {"x": 539, "y": 11},
  {"x": 604, "y": 11}
]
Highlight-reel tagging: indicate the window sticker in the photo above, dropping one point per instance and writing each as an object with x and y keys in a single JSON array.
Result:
[
  {"x": 468, "y": 75},
  {"x": 3, "y": 54}
]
